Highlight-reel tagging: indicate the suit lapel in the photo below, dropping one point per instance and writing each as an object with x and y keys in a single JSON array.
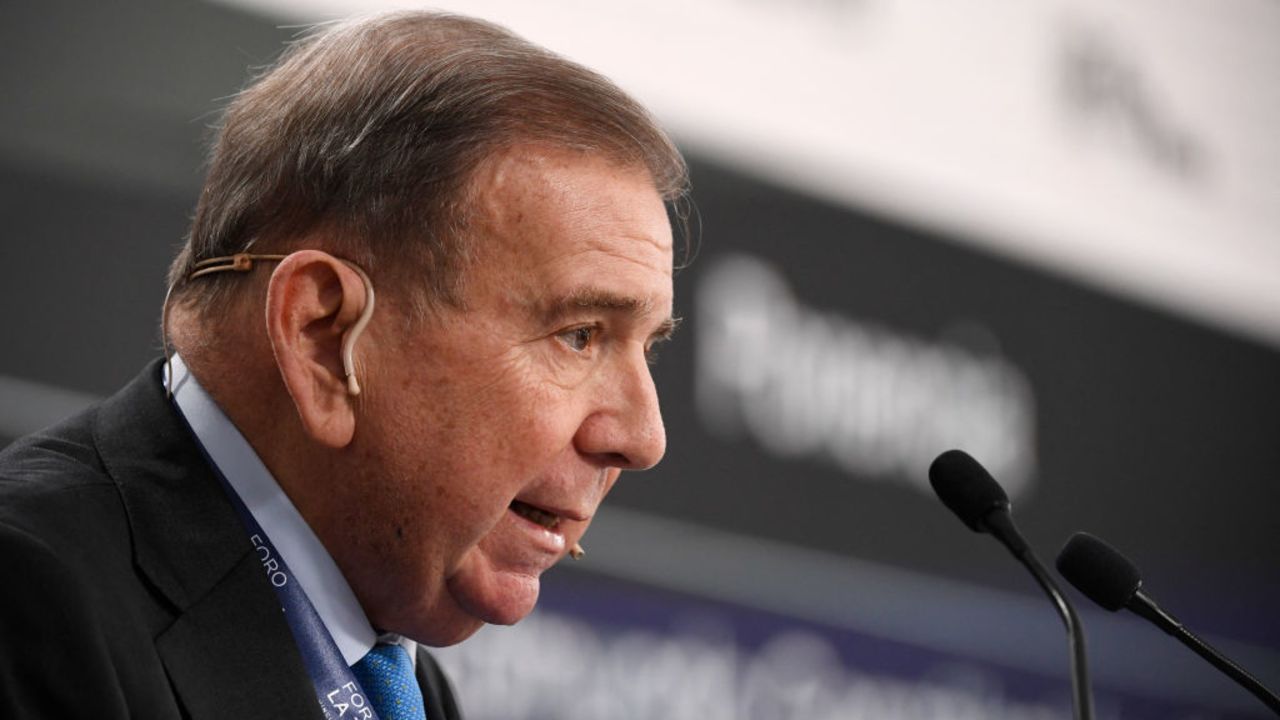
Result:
[
  {"x": 226, "y": 662},
  {"x": 437, "y": 693},
  {"x": 229, "y": 652}
]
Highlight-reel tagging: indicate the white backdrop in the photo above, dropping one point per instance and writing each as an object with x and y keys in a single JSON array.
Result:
[{"x": 1131, "y": 145}]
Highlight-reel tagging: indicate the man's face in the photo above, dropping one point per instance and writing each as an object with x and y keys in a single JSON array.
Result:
[{"x": 489, "y": 436}]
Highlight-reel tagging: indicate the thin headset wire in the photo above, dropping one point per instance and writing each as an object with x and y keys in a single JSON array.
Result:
[{"x": 243, "y": 262}]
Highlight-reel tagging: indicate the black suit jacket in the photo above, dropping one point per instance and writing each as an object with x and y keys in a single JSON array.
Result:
[{"x": 130, "y": 587}]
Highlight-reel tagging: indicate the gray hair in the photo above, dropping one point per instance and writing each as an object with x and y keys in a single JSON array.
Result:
[{"x": 367, "y": 133}]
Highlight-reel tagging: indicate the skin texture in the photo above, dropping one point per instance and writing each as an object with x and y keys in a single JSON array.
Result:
[{"x": 538, "y": 391}]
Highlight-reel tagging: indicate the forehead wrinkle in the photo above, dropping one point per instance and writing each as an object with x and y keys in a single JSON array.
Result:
[{"x": 609, "y": 246}]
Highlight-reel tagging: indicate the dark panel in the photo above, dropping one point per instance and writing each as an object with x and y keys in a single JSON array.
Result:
[
  {"x": 107, "y": 109},
  {"x": 1153, "y": 432}
]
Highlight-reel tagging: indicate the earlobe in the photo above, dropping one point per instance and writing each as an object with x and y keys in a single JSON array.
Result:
[{"x": 317, "y": 306}]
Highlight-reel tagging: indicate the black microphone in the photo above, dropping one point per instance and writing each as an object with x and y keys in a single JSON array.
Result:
[
  {"x": 970, "y": 492},
  {"x": 1108, "y": 578}
]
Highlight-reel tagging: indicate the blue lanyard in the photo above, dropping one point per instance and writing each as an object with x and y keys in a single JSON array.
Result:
[{"x": 337, "y": 689}]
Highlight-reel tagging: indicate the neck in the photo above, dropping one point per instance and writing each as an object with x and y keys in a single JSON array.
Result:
[{"x": 238, "y": 370}]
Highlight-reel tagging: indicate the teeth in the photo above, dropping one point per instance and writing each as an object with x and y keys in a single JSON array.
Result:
[{"x": 542, "y": 517}]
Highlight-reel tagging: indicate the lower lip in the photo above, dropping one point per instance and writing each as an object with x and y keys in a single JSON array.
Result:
[{"x": 536, "y": 538}]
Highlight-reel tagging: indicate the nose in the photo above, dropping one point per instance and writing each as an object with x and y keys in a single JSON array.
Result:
[{"x": 625, "y": 429}]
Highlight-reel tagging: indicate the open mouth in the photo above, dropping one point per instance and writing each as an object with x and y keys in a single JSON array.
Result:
[{"x": 537, "y": 515}]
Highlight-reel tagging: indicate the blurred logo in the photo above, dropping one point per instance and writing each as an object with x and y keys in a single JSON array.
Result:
[{"x": 877, "y": 403}]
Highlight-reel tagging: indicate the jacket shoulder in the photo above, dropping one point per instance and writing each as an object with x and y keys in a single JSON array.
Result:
[
  {"x": 46, "y": 619},
  {"x": 47, "y": 479}
]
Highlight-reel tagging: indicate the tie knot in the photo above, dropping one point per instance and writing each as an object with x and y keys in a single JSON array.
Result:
[{"x": 386, "y": 675}]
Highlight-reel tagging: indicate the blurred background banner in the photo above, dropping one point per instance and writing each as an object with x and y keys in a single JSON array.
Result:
[
  {"x": 1047, "y": 233},
  {"x": 1130, "y": 144}
]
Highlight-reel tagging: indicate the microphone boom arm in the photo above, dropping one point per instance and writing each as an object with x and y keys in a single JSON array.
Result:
[
  {"x": 1000, "y": 525},
  {"x": 1142, "y": 604}
]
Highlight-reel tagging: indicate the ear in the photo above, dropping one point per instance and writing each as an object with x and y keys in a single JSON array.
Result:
[{"x": 313, "y": 300}]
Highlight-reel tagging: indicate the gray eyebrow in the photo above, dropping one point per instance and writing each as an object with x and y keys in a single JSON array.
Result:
[
  {"x": 666, "y": 329},
  {"x": 588, "y": 298},
  {"x": 593, "y": 299}
]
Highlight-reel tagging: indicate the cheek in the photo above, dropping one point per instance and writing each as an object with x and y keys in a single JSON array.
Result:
[
  {"x": 478, "y": 444},
  {"x": 532, "y": 409},
  {"x": 531, "y": 431},
  {"x": 453, "y": 435}
]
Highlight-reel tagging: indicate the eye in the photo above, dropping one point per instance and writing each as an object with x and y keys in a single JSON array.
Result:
[
  {"x": 579, "y": 339},
  {"x": 658, "y": 338},
  {"x": 651, "y": 354}
]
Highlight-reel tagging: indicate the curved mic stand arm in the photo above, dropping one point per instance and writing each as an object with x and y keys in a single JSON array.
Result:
[
  {"x": 1002, "y": 527},
  {"x": 1075, "y": 636}
]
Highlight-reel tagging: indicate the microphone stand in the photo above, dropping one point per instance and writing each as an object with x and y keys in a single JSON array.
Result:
[
  {"x": 1143, "y": 605},
  {"x": 1111, "y": 580},
  {"x": 1002, "y": 527},
  {"x": 969, "y": 491}
]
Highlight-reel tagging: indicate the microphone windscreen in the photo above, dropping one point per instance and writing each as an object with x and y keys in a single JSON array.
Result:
[
  {"x": 1099, "y": 571},
  {"x": 966, "y": 487}
]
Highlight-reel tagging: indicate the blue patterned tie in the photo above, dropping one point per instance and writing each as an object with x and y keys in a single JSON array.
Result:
[{"x": 386, "y": 674}]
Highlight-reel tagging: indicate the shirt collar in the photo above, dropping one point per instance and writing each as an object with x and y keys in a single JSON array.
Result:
[{"x": 297, "y": 544}]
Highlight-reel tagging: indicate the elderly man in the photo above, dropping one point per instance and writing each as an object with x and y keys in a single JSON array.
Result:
[{"x": 411, "y": 326}]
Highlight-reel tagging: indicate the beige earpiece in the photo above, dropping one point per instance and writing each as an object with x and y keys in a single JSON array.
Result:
[
  {"x": 243, "y": 262},
  {"x": 353, "y": 334}
]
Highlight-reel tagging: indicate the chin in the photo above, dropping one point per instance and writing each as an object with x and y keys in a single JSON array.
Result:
[
  {"x": 437, "y": 622},
  {"x": 443, "y": 627},
  {"x": 508, "y": 616},
  {"x": 497, "y": 599},
  {"x": 503, "y": 610},
  {"x": 444, "y": 634}
]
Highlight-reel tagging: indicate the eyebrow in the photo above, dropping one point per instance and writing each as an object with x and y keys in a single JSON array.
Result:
[{"x": 587, "y": 298}]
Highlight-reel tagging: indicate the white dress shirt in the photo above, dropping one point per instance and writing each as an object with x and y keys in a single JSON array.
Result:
[{"x": 301, "y": 550}]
